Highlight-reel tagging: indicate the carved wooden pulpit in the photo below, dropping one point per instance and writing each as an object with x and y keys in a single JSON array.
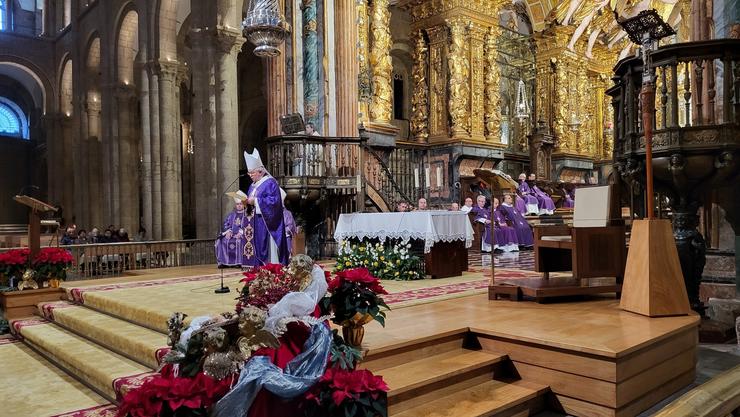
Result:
[{"x": 35, "y": 208}]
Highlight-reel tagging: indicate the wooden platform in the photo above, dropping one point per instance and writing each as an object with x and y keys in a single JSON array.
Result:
[
  {"x": 541, "y": 289},
  {"x": 584, "y": 358}
]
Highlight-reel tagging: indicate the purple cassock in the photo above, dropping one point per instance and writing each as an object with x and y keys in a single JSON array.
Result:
[
  {"x": 520, "y": 204},
  {"x": 270, "y": 242},
  {"x": 290, "y": 229},
  {"x": 239, "y": 249},
  {"x": 506, "y": 239},
  {"x": 530, "y": 200},
  {"x": 569, "y": 201},
  {"x": 482, "y": 214},
  {"x": 523, "y": 231},
  {"x": 544, "y": 200}
]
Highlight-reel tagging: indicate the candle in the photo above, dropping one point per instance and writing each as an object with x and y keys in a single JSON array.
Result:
[
  {"x": 428, "y": 183},
  {"x": 416, "y": 177},
  {"x": 359, "y": 183},
  {"x": 439, "y": 177}
]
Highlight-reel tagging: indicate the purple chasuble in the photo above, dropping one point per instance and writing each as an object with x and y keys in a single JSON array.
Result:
[
  {"x": 530, "y": 200},
  {"x": 523, "y": 231},
  {"x": 506, "y": 238},
  {"x": 482, "y": 214},
  {"x": 544, "y": 200},
  {"x": 239, "y": 250},
  {"x": 268, "y": 220}
]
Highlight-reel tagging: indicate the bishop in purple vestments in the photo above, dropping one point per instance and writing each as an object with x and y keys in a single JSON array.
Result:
[
  {"x": 270, "y": 242},
  {"x": 530, "y": 200},
  {"x": 523, "y": 231}
]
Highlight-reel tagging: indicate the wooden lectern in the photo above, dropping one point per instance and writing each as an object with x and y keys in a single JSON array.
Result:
[{"x": 34, "y": 220}]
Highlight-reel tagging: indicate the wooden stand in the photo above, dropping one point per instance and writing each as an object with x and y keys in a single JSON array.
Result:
[
  {"x": 447, "y": 259},
  {"x": 34, "y": 220},
  {"x": 19, "y": 304},
  {"x": 653, "y": 282}
]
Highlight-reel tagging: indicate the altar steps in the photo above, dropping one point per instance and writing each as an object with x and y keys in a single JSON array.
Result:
[
  {"x": 109, "y": 374},
  {"x": 450, "y": 376}
]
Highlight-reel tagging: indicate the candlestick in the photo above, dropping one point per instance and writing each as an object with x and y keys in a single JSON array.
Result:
[
  {"x": 416, "y": 177},
  {"x": 428, "y": 183},
  {"x": 439, "y": 177}
]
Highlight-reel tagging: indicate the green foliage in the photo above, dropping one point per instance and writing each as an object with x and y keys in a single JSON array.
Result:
[{"x": 393, "y": 261}]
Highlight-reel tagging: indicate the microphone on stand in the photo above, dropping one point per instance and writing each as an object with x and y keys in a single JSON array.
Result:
[{"x": 224, "y": 289}]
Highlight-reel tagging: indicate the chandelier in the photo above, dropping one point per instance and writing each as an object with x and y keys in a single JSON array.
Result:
[
  {"x": 265, "y": 27},
  {"x": 522, "y": 104}
]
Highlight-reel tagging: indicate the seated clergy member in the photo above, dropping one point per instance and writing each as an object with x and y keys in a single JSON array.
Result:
[
  {"x": 235, "y": 245},
  {"x": 454, "y": 207},
  {"x": 523, "y": 231},
  {"x": 270, "y": 243},
  {"x": 505, "y": 235},
  {"x": 422, "y": 204},
  {"x": 545, "y": 202},
  {"x": 483, "y": 215},
  {"x": 467, "y": 206},
  {"x": 530, "y": 200}
]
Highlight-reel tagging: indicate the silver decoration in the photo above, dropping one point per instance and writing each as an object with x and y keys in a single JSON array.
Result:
[{"x": 265, "y": 27}]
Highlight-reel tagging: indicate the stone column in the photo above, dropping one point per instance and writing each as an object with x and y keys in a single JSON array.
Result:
[
  {"x": 227, "y": 109},
  {"x": 49, "y": 27},
  {"x": 128, "y": 156},
  {"x": 170, "y": 158},
  {"x": 156, "y": 149},
  {"x": 94, "y": 198},
  {"x": 146, "y": 153},
  {"x": 381, "y": 108},
  {"x": 204, "y": 157},
  {"x": 347, "y": 70}
]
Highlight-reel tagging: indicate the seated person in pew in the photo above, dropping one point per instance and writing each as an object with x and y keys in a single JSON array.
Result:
[
  {"x": 546, "y": 205},
  {"x": 483, "y": 215},
  {"x": 524, "y": 233},
  {"x": 531, "y": 204},
  {"x": 505, "y": 235}
]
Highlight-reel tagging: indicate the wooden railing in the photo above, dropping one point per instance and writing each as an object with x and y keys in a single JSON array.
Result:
[
  {"x": 394, "y": 181},
  {"x": 314, "y": 156}
]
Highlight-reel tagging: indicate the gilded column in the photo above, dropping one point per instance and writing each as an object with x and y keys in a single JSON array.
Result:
[
  {"x": 381, "y": 108},
  {"x": 420, "y": 99},
  {"x": 477, "y": 36},
  {"x": 310, "y": 64},
  {"x": 458, "y": 102},
  {"x": 438, "y": 36},
  {"x": 170, "y": 153},
  {"x": 583, "y": 108},
  {"x": 345, "y": 19},
  {"x": 364, "y": 73},
  {"x": 492, "y": 106}
]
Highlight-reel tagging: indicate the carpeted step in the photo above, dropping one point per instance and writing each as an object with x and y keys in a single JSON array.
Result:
[
  {"x": 130, "y": 340},
  {"x": 151, "y": 303},
  {"x": 108, "y": 373},
  {"x": 32, "y": 386}
]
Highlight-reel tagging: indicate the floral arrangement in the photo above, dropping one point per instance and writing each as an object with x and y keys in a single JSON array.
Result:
[
  {"x": 52, "y": 262},
  {"x": 392, "y": 262},
  {"x": 355, "y": 298},
  {"x": 202, "y": 374},
  {"x": 14, "y": 262}
]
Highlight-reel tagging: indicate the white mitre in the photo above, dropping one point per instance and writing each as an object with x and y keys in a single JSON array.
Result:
[
  {"x": 253, "y": 160},
  {"x": 283, "y": 194}
]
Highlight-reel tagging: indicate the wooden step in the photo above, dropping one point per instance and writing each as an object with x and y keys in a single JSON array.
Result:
[
  {"x": 490, "y": 398},
  {"x": 394, "y": 355},
  {"x": 432, "y": 372}
]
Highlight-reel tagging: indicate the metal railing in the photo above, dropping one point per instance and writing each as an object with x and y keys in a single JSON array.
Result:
[{"x": 114, "y": 259}]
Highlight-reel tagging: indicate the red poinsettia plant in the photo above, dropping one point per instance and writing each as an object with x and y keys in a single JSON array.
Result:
[
  {"x": 347, "y": 393},
  {"x": 266, "y": 285},
  {"x": 169, "y": 395},
  {"x": 13, "y": 262},
  {"x": 355, "y": 298},
  {"x": 52, "y": 262}
]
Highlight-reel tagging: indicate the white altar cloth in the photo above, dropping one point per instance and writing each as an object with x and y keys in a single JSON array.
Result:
[{"x": 429, "y": 226}]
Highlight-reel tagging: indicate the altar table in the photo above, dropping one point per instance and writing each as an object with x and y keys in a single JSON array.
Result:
[{"x": 446, "y": 235}]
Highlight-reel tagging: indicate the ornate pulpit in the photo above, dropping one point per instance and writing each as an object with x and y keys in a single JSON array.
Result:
[{"x": 35, "y": 208}]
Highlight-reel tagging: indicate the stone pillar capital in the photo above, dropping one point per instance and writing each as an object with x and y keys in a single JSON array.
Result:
[
  {"x": 124, "y": 91},
  {"x": 166, "y": 70},
  {"x": 228, "y": 40}
]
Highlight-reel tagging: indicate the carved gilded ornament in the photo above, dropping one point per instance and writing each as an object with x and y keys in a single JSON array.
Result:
[
  {"x": 492, "y": 106},
  {"x": 419, "y": 100},
  {"x": 477, "y": 84},
  {"x": 424, "y": 9},
  {"x": 458, "y": 102},
  {"x": 364, "y": 72},
  {"x": 380, "y": 63}
]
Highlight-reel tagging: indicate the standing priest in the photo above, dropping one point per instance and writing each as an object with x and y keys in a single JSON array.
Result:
[{"x": 270, "y": 243}]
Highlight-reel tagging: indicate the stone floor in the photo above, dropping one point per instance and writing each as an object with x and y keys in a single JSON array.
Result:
[{"x": 713, "y": 360}]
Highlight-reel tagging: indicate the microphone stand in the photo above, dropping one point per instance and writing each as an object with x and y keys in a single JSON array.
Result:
[{"x": 224, "y": 289}]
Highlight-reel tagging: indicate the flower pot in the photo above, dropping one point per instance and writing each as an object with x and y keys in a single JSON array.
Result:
[{"x": 353, "y": 335}]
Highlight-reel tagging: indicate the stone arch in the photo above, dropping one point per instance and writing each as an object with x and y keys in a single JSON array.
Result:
[
  {"x": 127, "y": 45},
  {"x": 66, "y": 86},
  {"x": 32, "y": 78},
  {"x": 91, "y": 70}
]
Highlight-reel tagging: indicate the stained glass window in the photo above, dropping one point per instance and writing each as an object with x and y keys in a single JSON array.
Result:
[
  {"x": 12, "y": 120},
  {"x": 2, "y": 14}
]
